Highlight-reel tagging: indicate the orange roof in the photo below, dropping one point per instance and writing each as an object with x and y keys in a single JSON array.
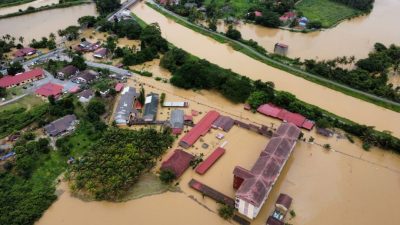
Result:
[{"x": 14, "y": 80}]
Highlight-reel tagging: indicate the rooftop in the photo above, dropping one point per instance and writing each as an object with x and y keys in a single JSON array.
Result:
[
  {"x": 150, "y": 107},
  {"x": 49, "y": 89},
  {"x": 59, "y": 126},
  {"x": 259, "y": 181},
  {"x": 125, "y": 105},
  {"x": 7, "y": 81},
  {"x": 178, "y": 162}
]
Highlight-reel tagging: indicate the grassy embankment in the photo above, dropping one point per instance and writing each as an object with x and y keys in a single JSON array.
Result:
[
  {"x": 328, "y": 12},
  {"x": 47, "y": 7},
  {"x": 9, "y": 3},
  {"x": 239, "y": 7},
  {"x": 281, "y": 65}
]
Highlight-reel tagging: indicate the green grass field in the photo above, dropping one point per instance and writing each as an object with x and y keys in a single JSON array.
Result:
[
  {"x": 239, "y": 7},
  {"x": 26, "y": 102},
  {"x": 327, "y": 12}
]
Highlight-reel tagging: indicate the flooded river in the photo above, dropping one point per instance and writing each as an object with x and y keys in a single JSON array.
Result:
[
  {"x": 224, "y": 56},
  {"x": 36, "y": 4},
  {"x": 353, "y": 37},
  {"x": 37, "y": 25}
]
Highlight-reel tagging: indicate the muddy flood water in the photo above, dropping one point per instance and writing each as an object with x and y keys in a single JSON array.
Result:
[
  {"x": 344, "y": 186},
  {"x": 36, "y": 4},
  {"x": 352, "y": 37},
  {"x": 37, "y": 25},
  {"x": 224, "y": 56}
]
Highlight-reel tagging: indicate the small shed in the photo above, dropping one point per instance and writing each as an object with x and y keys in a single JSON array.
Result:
[
  {"x": 177, "y": 121},
  {"x": 119, "y": 87},
  {"x": 283, "y": 202}
]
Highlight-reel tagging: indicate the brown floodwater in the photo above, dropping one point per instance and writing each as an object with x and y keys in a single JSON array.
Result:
[
  {"x": 37, "y": 25},
  {"x": 224, "y": 56},
  {"x": 351, "y": 37},
  {"x": 345, "y": 186},
  {"x": 36, "y": 4}
]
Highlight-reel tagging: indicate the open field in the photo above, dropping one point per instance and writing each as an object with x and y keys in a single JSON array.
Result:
[
  {"x": 327, "y": 12},
  {"x": 238, "y": 7},
  {"x": 26, "y": 102}
]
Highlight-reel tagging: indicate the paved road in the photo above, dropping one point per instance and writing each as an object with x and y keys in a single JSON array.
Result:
[
  {"x": 125, "y": 5},
  {"x": 272, "y": 61},
  {"x": 110, "y": 67}
]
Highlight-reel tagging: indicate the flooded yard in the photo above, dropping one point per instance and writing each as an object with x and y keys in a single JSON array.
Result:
[
  {"x": 355, "y": 37},
  {"x": 343, "y": 186}
]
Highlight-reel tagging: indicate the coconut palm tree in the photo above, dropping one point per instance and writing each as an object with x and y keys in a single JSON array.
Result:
[{"x": 21, "y": 39}]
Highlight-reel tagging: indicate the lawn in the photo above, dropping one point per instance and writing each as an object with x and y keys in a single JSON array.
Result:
[
  {"x": 26, "y": 102},
  {"x": 239, "y": 7},
  {"x": 327, "y": 12}
]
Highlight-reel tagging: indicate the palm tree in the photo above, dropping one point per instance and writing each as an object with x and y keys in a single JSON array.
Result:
[
  {"x": 21, "y": 39},
  {"x": 52, "y": 36},
  {"x": 8, "y": 36}
]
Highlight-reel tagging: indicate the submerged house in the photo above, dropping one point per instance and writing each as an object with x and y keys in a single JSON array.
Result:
[
  {"x": 253, "y": 186},
  {"x": 177, "y": 121},
  {"x": 25, "y": 52},
  {"x": 150, "y": 107},
  {"x": 62, "y": 126},
  {"x": 178, "y": 162},
  {"x": 125, "y": 109}
]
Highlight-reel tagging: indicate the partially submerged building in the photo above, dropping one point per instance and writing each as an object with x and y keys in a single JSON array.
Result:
[
  {"x": 177, "y": 121},
  {"x": 178, "y": 162},
  {"x": 150, "y": 107},
  {"x": 211, "y": 159},
  {"x": 125, "y": 109},
  {"x": 287, "y": 116},
  {"x": 253, "y": 186},
  {"x": 176, "y": 104},
  {"x": 62, "y": 126},
  {"x": 28, "y": 51},
  {"x": 201, "y": 128},
  {"x": 281, "y": 49},
  {"x": 100, "y": 53},
  {"x": 224, "y": 123}
]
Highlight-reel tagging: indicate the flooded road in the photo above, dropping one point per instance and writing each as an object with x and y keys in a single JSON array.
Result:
[
  {"x": 352, "y": 37},
  {"x": 36, "y": 4},
  {"x": 224, "y": 56},
  {"x": 37, "y": 25}
]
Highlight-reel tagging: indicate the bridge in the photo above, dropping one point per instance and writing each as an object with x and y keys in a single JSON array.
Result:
[{"x": 125, "y": 5}]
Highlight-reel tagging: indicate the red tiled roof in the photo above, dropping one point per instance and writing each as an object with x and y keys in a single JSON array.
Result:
[
  {"x": 138, "y": 105},
  {"x": 201, "y": 128},
  {"x": 176, "y": 130},
  {"x": 282, "y": 114},
  {"x": 211, "y": 159},
  {"x": 178, "y": 162},
  {"x": 269, "y": 165},
  {"x": 118, "y": 87},
  {"x": 7, "y": 81},
  {"x": 49, "y": 89},
  {"x": 188, "y": 118}
]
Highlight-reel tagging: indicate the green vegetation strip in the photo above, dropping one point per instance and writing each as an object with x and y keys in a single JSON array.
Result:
[
  {"x": 47, "y": 7},
  {"x": 14, "y": 3},
  {"x": 279, "y": 65},
  {"x": 328, "y": 12}
]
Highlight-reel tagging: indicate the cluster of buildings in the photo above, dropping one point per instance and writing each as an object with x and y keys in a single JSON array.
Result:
[{"x": 22, "y": 78}]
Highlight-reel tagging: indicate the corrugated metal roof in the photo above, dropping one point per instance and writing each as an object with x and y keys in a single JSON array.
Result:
[
  {"x": 125, "y": 105},
  {"x": 150, "y": 107}
]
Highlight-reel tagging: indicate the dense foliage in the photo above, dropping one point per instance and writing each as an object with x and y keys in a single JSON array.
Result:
[
  {"x": 364, "y": 5},
  {"x": 110, "y": 167},
  {"x": 71, "y": 33},
  {"x": 105, "y": 7},
  {"x": 44, "y": 42},
  {"x": 370, "y": 74},
  {"x": 6, "y": 43},
  {"x": 200, "y": 74},
  {"x": 125, "y": 28},
  {"x": 15, "y": 68}
]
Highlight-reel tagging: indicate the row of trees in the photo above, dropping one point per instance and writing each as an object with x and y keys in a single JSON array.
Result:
[
  {"x": 192, "y": 73},
  {"x": 112, "y": 165},
  {"x": 363, "y": 5},
  {"x": 370, "y": 74}
]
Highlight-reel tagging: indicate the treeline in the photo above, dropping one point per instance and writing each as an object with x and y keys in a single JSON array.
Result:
[
  {"x": 112, "y": 165},
  {"x": 370, "y": 74},
  {"x": 23, "y": 200},
  {"x": 105, "y": 7},
  {"x": 363, "y": 5},
  {"x": 192, "y": 73}
]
